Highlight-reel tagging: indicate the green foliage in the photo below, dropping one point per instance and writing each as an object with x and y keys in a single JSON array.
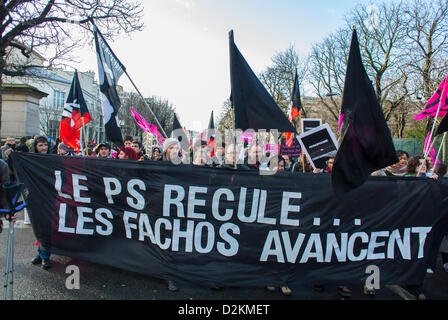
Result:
[{"x": 417, "y": 131}]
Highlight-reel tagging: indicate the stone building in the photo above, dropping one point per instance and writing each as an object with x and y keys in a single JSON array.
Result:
[
  {"x": 54, "y": 86},
  {"x": 20, "y": 110}
]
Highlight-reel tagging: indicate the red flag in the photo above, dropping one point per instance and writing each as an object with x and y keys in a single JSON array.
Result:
[
  {"x": 294, "y": 108},
  {"x": 74, "y": 116}
]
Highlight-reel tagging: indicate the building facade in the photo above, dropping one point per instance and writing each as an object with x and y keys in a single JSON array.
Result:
[{"x": 55, "y": 83}]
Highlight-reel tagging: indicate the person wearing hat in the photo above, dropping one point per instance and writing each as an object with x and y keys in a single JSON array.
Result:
[
  {"x": 103, "y": 151},
  {"x": 65, "y": 150},
  {"x": 171, "y": 149}
]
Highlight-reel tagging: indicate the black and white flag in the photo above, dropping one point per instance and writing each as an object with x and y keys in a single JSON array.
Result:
[{"x": 109, "y": 70}]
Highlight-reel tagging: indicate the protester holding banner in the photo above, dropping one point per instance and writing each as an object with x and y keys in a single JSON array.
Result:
[
  {"x": 4, "y": 178},
  {"x": 398, "y": 169},
  {"x": 137, "y": 146},
  {"x": 44, "y": 252},
  {"x": 288, "y": 162},
  {"x": 254, "y": 154},
  {"x": 157, "y": 153},
  {"x": 298, "y": 167},
  {"x": 127, "y": 140},
  {"x": 10, "y": 145},
  {"x": 127, "y": 153},
  {"x": 103, "y": 151},
  {"x": 41, "y": 145},
  {"x": 219, "y": 154},
  {"x": 417, "y": 164},
  {"x": 230, "y": 158},
  {"x": 279, "y": 165},
  {"x": 440, "y": 169},
  {"x": 65, "y": 150},
  {"x": 22, "y": 147},
  {"x": 171, "y": 149}
]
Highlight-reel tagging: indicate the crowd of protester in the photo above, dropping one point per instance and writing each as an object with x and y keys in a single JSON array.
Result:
[{"x": 222, "y": 155}]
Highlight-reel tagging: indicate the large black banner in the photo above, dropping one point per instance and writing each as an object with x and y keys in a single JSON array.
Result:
[{"x": 212, "y": 226}]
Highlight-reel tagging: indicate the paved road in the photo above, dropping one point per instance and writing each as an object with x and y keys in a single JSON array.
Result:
[{"x": 99, "y": 282}]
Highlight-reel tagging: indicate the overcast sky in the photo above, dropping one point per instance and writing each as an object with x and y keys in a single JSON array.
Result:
[{"x": 182, "y": 54}]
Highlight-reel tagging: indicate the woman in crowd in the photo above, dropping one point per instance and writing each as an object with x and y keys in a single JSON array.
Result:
[
  {"x": 418, "y": 167},
  {"x": 65, "y": 150},
  {"x": 398, "y": 169},
  {"x": 127, "y": 153},
  {"x": 157, "y": 153}
]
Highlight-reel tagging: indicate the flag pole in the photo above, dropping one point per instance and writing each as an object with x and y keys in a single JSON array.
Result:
[
  {"x": 85, "y": 137},
  {"x": 426, "y": 154},
  {"x": 434, "y": 124},
  {"x": 302, "y": 157},
  {"x": 234, "y": 134},
  {"x": 138, "y": 91},
  {"x": 438, "y": 153},
  {"x": 130, "y": 79}
]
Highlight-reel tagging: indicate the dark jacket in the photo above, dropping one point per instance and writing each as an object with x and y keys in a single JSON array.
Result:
[
  {"x": 4, "y": 178},
  {"x": 231, "y": 166}
]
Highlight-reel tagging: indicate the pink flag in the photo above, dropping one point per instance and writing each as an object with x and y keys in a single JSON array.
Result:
[
  {"x": 147, "y": 127},
  {"x": 433, "y": 104},
  {"x": 432, "y": 152},
  {"x": 341, "y": 118}
]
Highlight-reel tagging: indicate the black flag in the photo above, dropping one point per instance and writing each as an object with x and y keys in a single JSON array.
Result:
[
  {"x": 180, "y": 134},
  {"x": 366, "y": 143},
  {"x": 211, "y": 123},
  {"x": 254, "y": 107},
  {"x": 109, "y": 71}
]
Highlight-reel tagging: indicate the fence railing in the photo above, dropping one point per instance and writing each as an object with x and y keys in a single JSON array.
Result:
[{"x": 415, "y": 146}]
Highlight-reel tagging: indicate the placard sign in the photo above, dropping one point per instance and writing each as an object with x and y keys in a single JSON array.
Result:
[
  {"x": 318, "y": 144},
  {"x": 309, "y": 124},
  {"x": 293, "y": 151}
]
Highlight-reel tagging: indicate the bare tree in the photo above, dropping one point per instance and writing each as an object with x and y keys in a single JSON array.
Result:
[
  {"x": 279, "y": 77},
  {"x": 426, "y": 24},
  {"x": 57, "y": 27},
  {"x": 328, "y": 63},
  {"x": 381, "y": 37}
]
